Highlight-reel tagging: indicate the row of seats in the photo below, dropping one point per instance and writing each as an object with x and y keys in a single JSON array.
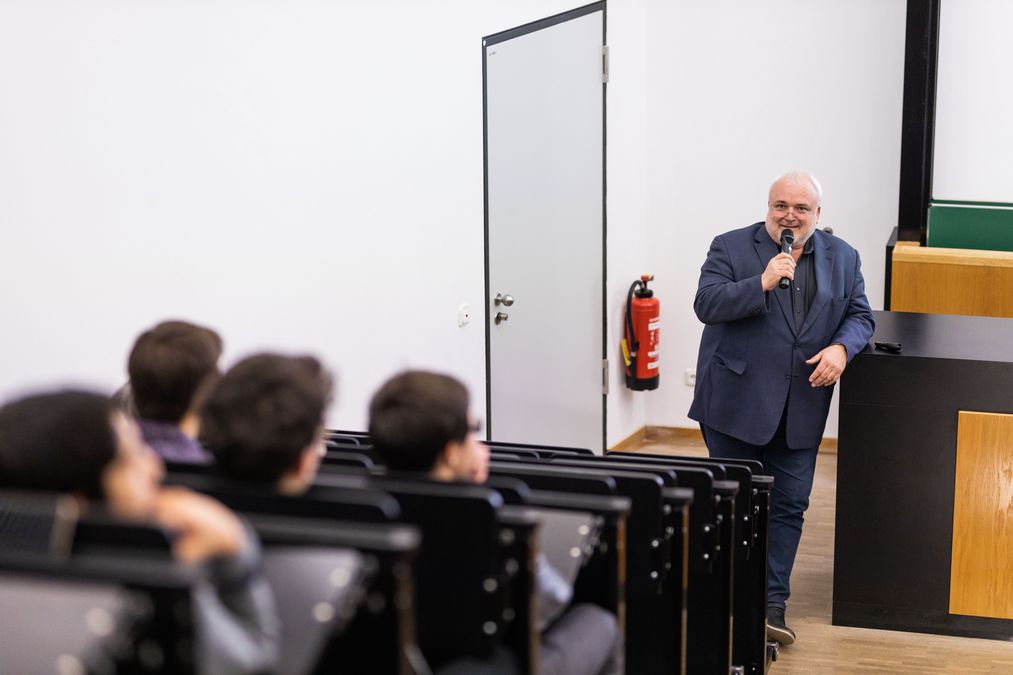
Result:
[
  {"x": 694, "y": 591},
  {"x": 381, "y": 573}
]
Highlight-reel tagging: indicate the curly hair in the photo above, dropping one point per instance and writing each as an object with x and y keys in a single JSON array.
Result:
[
  {"x": 263, "y": 413},
  {"x": 414, "y": 415}
]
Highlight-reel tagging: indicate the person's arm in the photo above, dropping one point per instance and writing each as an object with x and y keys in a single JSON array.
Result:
[
  {"x": 236, "y": 623},
  {"x": 236, "y": 619},
  {"x": 851, "y": 337},
  {"x": 554, "y": 592},
  {"x": 720, "y": 297}
]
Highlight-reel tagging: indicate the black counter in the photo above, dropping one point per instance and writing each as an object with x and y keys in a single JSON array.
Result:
[{"x": 896, "y": 465}]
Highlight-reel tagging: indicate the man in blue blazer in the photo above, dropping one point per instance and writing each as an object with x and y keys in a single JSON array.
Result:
[{"x": 770, "y": 356}]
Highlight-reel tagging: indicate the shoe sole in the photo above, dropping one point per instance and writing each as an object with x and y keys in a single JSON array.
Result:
[{"x": 782, "y": 636}]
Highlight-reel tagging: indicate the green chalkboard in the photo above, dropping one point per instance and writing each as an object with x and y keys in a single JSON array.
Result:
[{"x": 978, "y": 225}]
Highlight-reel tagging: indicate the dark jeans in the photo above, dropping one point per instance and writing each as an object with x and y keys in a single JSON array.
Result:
[{"x": 793, "y": 481}]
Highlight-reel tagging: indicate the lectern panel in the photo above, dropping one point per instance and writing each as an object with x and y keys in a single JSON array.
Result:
[{"x": 981, "y": 572}]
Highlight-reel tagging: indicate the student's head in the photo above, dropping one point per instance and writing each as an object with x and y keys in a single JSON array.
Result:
[
  {"x": 171, "y": 368},
  {"x": 80, "y": 443},
  {"x": 419, "y": 421},
  {"x": 264, "y": 419}
]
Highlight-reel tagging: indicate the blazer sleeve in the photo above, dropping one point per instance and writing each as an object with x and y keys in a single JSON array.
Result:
[
  {"x": 721, "y": 296},
  {"x": 858, "y": 324}
]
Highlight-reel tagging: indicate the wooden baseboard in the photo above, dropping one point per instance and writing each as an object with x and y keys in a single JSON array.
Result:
[
  {"x": 689, "y": 434},
  {"x": 630, "y": 441},
  {"x": 682, "y": 433}
]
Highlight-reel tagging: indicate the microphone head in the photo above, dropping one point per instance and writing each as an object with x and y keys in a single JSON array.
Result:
[{"x": 787, "y": 237}]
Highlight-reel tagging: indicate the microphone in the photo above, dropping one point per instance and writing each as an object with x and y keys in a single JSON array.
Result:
[{"x": 787, "y": 239}]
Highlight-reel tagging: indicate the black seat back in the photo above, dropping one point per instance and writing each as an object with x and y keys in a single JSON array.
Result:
[
  {"x": 346, "y": 498},
  {"x": 94, "y": 608},
  {"x": 459, "y": 567}
]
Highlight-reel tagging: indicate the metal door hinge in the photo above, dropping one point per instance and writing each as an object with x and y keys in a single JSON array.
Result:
[
  {"x": 605, "y": 377},
  {"x": 605, "y": 64}
]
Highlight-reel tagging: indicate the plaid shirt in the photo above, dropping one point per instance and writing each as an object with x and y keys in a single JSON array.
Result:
[{"x": 172, "y": 444}]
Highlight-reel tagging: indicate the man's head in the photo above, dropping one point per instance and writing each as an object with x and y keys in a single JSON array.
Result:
[
  {"x": 794, "y": 203},
  {"x": 78, "y": 442},
  {"x": 419, "y": 421},
  {"x": 264, "y": 419},
  {"x": 171, "y": 368}
]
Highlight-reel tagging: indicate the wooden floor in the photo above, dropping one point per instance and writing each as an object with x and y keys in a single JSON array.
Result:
[{"x": 822, "y": 648}]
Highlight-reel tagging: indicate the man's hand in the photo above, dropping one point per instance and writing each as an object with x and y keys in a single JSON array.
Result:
[
  {"x": 781, "y": 265},
  {"x": 831, "y": 363},
  {"x": 206, "y": 529}
]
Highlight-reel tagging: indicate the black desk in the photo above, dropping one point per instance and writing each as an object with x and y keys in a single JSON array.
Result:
[{"x": 896, "y": 468}]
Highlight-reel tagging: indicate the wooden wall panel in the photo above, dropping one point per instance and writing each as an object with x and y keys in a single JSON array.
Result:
[
  {"x": 981, "y": 569},
  {"x": 952, "y": 281}
]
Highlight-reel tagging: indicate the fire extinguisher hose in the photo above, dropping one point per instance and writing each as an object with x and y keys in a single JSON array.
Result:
[{"x": 634, "y": 344}]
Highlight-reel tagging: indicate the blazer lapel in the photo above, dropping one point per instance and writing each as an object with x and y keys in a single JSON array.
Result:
[
  {"x": 763, "y": 253},
  {"x": 824, "y": 273}
]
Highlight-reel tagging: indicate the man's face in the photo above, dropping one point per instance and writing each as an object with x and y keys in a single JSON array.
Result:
[
  {"x": 792, "y": 205},
  {"x": 132, "y": 480}
]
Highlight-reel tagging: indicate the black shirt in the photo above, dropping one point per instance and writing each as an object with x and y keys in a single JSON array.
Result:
[{"x": 803, "y": 289}]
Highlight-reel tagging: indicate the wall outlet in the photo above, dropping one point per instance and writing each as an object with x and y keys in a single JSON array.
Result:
[
  {"x": 690, "y": 377},
  {"x": 463, "y": 315}
]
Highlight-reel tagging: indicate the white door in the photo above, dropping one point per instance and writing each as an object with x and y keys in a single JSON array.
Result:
[{"x": 545, "y": 168}]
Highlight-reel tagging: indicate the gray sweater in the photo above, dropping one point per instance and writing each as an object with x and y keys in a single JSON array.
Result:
[{"x": 237, "y": 628}]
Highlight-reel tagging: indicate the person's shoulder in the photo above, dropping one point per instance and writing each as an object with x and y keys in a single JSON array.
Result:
[{"x": 834, "y": 242}]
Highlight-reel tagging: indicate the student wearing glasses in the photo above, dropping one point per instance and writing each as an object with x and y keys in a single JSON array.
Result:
[
  {"x": 771, "y": 353},
  {"x": 420, "y": 422}
]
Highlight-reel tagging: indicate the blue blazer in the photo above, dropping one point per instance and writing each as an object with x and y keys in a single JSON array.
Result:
[{"x": 751, "y": 358}]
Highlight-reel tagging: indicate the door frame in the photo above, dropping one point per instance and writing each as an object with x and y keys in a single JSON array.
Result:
[{"x": 497, "y": 38}]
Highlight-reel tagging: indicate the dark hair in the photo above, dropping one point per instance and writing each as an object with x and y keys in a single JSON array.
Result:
[
  {"x": 171, "y": 366},
  {"x": 61, "y": 441},
  {"x": 413, "y": 417},
  {"x": 263, "y": 414}
]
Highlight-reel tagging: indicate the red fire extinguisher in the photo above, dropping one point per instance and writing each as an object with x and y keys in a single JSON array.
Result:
[{"x": 640, "y": 346}]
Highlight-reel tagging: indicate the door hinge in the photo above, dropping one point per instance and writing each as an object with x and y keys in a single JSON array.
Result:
[
  {"x": 605, "y": 377},
  {"x": 605, "y": 64}
]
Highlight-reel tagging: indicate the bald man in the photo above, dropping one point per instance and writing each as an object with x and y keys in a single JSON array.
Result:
[{"x": 771, "y": 353}]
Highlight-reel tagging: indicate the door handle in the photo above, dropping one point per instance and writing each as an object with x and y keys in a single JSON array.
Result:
[
  {"x": 501, "y": 317},
  {"x": 505, "y": 300}
]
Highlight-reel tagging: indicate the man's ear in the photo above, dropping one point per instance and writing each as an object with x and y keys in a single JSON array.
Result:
[
  {"x": 449, "y": 459},
  {"x": 308, "y": 463},
  {"x": 299, "y": 476}
]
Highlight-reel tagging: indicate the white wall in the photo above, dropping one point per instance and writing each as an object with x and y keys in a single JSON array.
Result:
[
  {"x": 974, "y": 102},
  {"x": 303, "y": 176},
  {"x": 740, "y": 92},
  {"x": 307, "y": 175}
]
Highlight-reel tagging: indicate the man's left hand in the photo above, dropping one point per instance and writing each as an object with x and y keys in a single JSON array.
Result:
[{"x": 831, "y": 362}]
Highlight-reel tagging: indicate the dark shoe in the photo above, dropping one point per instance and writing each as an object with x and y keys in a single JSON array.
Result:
[{"x": 777, "y": 629}]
